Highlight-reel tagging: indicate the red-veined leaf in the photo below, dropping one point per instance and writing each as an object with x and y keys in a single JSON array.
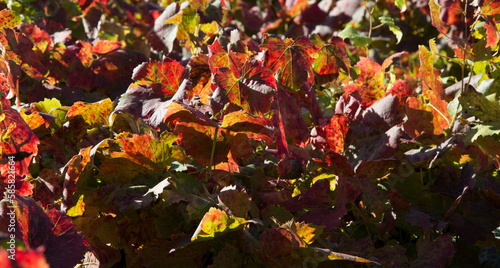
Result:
[
  {"x": 64, "y": 246},
  {"x": 293, "y": 60},
  {"x": 251, "y": 90},
  {"x": 168, "y": 75}
]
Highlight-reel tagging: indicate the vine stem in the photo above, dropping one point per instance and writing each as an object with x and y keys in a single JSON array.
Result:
[{"x": 209, "y": 174}]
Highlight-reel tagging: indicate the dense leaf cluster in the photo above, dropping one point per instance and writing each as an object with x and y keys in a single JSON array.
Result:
[{"x": 251, "y": 133}]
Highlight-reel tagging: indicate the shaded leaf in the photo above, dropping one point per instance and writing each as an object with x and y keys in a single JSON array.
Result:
[{"x": 357, "y": 39}]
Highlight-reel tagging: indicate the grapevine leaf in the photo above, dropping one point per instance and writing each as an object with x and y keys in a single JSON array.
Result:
[
  {"x": 105, "y": 46},
  {"x": 166, "y": 27},
  {"x": 9, "y": 19},
  {"x": 214, "y": 223},
  {"x": 336, "y": 132},
  {"x": 435, "y": 16},
  {"x": 342, "y": 256},
  {"x": 18, "y": 142},
  {"x": 438, "y": 253},
  {"x": 393, "y": 27},
  {"x": 332, "y": 57},
  {"x": 401, "y": 4},
  {"x": 429, "y": 75},
  {"x": 19, "y": 49},
  {"x": 292, "y": 61},
  {"x": 307, "y": 232},
  {"x": 353, "y": 35},
  {"x": 168, "y": 75},
  {"x": 490, "y": 8},
  {"x": 316, "y": 196},
  {"x": 476, "y": 104},
  {"x": 94, "y": 114},
  {"x": 135, "y": 156},
  {"x": 51, "y": 229},
  {"x": 238, "y": 202},
  {"x": 233, "y": 59},
  {"x": 251, "y": 90},
  {"x": 252, "y": 126}
]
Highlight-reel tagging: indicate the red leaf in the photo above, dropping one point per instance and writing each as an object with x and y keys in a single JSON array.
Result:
[
  {"x": 19, "y": 143},
  {"x": 105, "y": 46},
  {"x": 429, "y": 75},
  {"x": 492, "y": 35},
  {"x": 19, "y": 49},
  {"x": 251, "y": 90},
  {"x": 64, "y": 246},
  {"x": 438, "y": 253},
  {"x": 490, "y": 7},
  {"x": 371, "y": 78},
  {"x": 36, "y": 34},
  {"x": 31, "y": 258},
  {"x": 85, "y": 53},
  {"x": 256, "y": 128},
  {"x": 402, "y": 89},
  {"x": 232, "y": 59},
  {"x": 168, "y": 75},
  {"x": 336, "y": 131},
  {"x": 331, "y": 58},
  {"x": 293, "y": 60}
]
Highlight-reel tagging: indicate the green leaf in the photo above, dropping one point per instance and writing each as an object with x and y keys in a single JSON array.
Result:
[
  {"x": 46, "y": 106},
  {"x": 394, "y": 29},
  {"x": 476, "y": 104},
  {"x": 401, "y": 4},
  {"x": 483, "y": 130},
  {"x": 357, "y": 39},
  {"x": 216, "y": 222}
]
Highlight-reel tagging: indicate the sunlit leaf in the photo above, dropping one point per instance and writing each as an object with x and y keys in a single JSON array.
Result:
[
  {"x": 9, "y": 19},
  {"x": 167, "y": 75},
  {"x": 216, "y": 222},
  {"x": 251, "y": 88},
  {"x": 292, "y": 60},
  {"x": 94, "y": 114}
]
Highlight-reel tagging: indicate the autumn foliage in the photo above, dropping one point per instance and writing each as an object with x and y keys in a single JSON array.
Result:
[{"x": 251, "y": 133}]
